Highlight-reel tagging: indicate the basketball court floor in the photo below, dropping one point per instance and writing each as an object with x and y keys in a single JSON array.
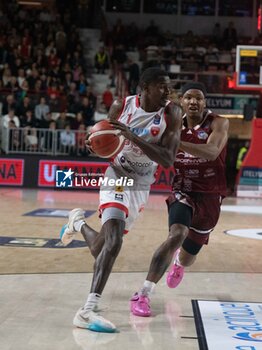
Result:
[{"x": 42, "y": 285}]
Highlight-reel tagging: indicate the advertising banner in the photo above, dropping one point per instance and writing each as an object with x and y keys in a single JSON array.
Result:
[
  {"x": 11, "y": 172},
  {"x": 228, "y": 325}
]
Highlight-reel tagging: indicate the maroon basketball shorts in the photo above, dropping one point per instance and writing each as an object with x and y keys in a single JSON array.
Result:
[{"x": 198, "y": 211}]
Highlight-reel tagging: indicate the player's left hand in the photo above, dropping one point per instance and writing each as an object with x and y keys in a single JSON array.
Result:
[
  {"x": 87, "y": 143},
  {"x": 125, "y": 131}
]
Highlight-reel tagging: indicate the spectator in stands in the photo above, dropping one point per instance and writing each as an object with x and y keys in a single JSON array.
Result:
[
  {"x": 152, "y": 53},
  {"x": 9, "y": 103},
  {"x": 87, "y": 110},
  {"x": 77, "y": 121},
  {"x": 80, "y": 140},
  {"x": 61, "y": 42},
  {"x": 107, "y": 98},
  {"x": 68, "y": 80},
  {"x": 152, "y": 33},
  {"x": 62, "y": 120},
  {"x": 134, "y": 75},
  {"x": 21, "y": 76},
  {"x": 42, "y": 109},
  {"x": 29, "y": 133},
  {"x": 3, "y": 52},
  {"x": 47, "y": 139},
  {"x": 27, "y": 119},
  {"x": 101, "y": 61},
  {"x": 14, "y": 142},
  {"x": 12, "y": 85},
  {"x": 230, "y": 36},
  {"x": 241, "y": 155},
  {"x": 217, "y": 35},
  {"x": 82, "y": 84},
  {"x": 32, "y": 78},
  {"x": 54, "y": 103},
  {"x": 53, "y": 59},
  {"x": 132, "y": 33},
  {"x": 73, "y": 94},
  {"x": 23, "y": 91},
  {"x": 91, "y": 96},
  {"x": 77, "y": 70},
  {"x": 77, "y": 60},
  {"x": 24, "y": 49},
  {"x": 24, "y": 106},
  {"x": 50, "y": 47},
  {"x": 6, "y": 76},
  {"x": 44, "y": 123},
  {"x": 118, "y": 33},
  {"x": 118, "y": 60},
  {"x": 67, "y": 139},
  {"x": 189, "y": 39},
  {"x": 10, "y": 116}
]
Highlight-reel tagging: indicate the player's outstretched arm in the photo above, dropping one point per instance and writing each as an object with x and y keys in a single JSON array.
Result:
[
  {"x": 163, "y": 153},
  {"x": 215, "y": 143}
]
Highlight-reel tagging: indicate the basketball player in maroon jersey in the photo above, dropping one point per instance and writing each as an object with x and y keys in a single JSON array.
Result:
[{"x": 199, "y": 186}]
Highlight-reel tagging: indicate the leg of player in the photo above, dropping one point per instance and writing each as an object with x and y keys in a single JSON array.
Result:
[
  {"x": 159, "y": 264},
  {"x": 75, "y": 224},
  {"x": 183, "y": 257},
  {"x": 180, "y": 217},
  {"x": 95, "y": 240},
  {"x": 113, "y": 230}
]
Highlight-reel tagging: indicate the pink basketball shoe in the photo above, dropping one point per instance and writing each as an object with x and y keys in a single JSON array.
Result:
[
  {"x": 139, "y": 305},
  {"x": 175, "y": 274}
]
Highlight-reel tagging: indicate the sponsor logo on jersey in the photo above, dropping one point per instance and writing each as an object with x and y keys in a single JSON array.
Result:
[
  {"x": 157, "y": 119},
  {"x": 119, "y": 197},
  {"x": 155, "y": 130},
  {"x": 202, "y": 135},
  {"x": 119, "y": 189},
  {"x": 140, "y": 131}
]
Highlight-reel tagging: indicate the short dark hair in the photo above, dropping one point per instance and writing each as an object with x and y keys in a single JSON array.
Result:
[
  {"x": 195, "y": 86},
  {"x": 151, "y": 75}
]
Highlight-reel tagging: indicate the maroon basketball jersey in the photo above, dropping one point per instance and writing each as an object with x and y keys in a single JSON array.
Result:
[{"x": 195, "y": 174}]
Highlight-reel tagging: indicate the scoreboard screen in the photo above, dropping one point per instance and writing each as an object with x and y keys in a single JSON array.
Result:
[{"x": 249, "y": 67}]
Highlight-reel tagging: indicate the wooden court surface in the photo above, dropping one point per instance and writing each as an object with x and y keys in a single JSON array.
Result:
[
  {"x": 223, "y": 254},
  {"x": 42, "y": 288}
]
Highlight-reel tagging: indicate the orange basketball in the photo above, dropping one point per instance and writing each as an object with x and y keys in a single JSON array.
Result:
[{"x": 105, "y": 141}]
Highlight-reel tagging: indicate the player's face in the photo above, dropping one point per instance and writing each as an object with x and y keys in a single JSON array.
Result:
[
  {"x": 158, "y": 92},
  {"x": 193, "y": 103}
]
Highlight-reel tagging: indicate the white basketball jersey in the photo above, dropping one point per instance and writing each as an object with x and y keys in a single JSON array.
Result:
[{"x": 150, "y": 126}]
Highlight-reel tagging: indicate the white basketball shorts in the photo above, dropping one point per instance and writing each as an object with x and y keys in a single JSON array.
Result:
[{"x": 130, "y": 199}]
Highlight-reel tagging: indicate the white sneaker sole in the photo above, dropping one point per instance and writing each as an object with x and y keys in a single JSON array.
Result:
[
  {"x": 68, "y": 232},
  {"x": 96, "y": 324}
]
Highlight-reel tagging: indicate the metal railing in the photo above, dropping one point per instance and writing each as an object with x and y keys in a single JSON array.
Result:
[{"x": 43, "y": 141}]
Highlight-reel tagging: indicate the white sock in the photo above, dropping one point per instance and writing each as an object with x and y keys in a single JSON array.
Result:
[
  {"x": 177, "y": 261},
  {"x": 78, "y": 225},
  {"x": 147, "y": 288},
  {"x": 92, "y": 301}
]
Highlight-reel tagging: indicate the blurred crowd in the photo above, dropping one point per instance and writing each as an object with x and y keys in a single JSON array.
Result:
[{"x": 45, "y": 81}]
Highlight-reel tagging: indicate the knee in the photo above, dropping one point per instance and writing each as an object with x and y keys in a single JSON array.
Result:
[{"x": 177, "y": 234}]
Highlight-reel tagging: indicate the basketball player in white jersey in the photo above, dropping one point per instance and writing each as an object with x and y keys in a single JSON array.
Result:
[{"x": 151, "y": 125}]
